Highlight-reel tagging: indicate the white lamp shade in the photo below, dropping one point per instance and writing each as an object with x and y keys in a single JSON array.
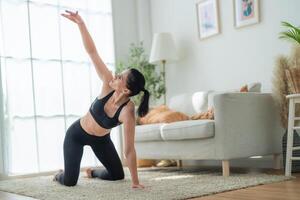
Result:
[{"x": 163, "y": 48}]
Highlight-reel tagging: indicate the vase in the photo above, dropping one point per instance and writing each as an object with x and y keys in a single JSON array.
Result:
[{"x": 296, "y": 141}]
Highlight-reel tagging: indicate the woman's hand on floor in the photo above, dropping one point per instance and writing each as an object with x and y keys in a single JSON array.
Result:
[
  {"x": 138, "y": 186},
  {"x": 73, "y": 16}
]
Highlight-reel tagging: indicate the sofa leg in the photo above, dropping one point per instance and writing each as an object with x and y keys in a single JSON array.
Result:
[
  {"x": 179, "y": 163},
  {"x": 225, "y": 167},
  {"x": 276, "y": 161}
]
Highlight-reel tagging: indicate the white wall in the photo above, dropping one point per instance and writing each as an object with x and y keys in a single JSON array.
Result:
[
  {"x": 132, "y": 24},
  {"x": 144, "y": 25},
  {"x": 124, "y": 25},
  {"x": 1, "y": 127},
  {"x": 228, "y": 60}
]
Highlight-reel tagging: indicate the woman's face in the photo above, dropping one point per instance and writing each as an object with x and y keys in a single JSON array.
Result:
[{"x": 119, "y": 81}]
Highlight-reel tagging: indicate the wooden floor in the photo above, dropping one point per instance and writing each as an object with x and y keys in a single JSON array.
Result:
[{"x": 287, "y": 190}]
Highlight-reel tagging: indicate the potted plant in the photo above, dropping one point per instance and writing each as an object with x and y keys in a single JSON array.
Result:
[
  {"x": 282, "y": 86},
  {"x": 154, "y": 80}
]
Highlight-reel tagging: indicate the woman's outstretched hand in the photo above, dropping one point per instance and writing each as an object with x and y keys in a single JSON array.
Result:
[
  {"x": 73, "y": 16},
  {"x": 138, "y": 186}
]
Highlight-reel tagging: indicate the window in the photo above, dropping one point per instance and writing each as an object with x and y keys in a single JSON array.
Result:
[{"x": 47, "y": 78}]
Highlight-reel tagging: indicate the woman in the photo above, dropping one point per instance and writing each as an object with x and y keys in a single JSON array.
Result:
[{"x": 113, "y": 107}]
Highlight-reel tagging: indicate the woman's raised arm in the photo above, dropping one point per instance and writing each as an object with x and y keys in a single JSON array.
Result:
[{"x": 101, "y": 69}]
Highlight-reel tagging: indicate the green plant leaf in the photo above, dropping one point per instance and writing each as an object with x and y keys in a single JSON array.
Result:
[{"x": 292, "y": 34}]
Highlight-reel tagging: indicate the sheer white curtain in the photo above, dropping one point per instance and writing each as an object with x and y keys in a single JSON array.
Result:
[{"x": 47, "y": 78}]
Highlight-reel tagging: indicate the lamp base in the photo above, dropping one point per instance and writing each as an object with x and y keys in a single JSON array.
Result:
[{"x": 164, "y": 75}]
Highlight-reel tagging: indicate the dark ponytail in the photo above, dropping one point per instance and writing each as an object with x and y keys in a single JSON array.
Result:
[
  {"x": 144, "y": 105},
  {"x": 136, "y": 84}
]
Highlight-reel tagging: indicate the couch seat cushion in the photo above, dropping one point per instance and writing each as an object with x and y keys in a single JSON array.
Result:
[
  {"x": 148, "y": 132},
  {"x": 189, "y": 129}
]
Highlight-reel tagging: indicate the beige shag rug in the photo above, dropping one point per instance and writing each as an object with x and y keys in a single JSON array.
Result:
[{"x": 160, "y": 184}]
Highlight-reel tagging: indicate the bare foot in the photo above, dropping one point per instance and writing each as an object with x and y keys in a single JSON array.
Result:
[
  {"x": 88, "y": 172},
  {"x": 55, "y": 178}
]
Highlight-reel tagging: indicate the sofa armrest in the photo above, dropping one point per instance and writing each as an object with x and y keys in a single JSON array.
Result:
[{"x": 246, "y": 124}]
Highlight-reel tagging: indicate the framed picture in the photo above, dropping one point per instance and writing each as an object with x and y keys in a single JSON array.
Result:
[
  {"x": 246, "y": 12},
  {"x": 207, "y": 18}
]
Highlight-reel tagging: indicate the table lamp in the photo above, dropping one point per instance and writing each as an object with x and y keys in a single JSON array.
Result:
[{"x": 163, "y": 51}]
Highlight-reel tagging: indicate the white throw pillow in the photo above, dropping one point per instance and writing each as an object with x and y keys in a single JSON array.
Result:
[
  {"x": 200, "y": 101},
  {"x": 254, "y": 87},
  {"x": 182, "y": 103}
]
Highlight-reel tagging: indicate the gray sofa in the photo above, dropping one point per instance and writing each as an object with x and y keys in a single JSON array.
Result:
[{"x": 245, "y": 125}]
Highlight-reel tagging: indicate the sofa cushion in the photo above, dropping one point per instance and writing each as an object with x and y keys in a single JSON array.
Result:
[
  {"x": 190, "y": 129},
  {"x": 148, "y": 132}
]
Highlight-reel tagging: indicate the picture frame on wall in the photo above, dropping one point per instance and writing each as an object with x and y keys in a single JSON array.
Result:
[
  {"x": 207, "y": 18},
  {"x": 246, "y": 12}
]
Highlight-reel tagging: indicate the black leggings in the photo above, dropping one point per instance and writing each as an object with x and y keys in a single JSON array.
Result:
[{"x": 75, "y": 139}]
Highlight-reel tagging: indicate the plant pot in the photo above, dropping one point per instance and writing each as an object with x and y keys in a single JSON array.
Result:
[{"x": 295, "y": 163}]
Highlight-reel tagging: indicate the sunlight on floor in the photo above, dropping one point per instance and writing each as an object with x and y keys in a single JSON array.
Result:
[{"x": 172, "y": 177}]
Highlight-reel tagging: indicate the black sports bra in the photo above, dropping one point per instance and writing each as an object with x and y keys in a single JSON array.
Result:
[{"x": 98, "y": 113}]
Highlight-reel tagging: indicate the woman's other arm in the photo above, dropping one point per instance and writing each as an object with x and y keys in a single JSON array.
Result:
[
  {"x": 130, "y": 154},
  {"x": 89, "y": 45}
]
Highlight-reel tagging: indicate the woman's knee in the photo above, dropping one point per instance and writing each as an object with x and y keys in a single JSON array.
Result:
[
  {"x": 70, "y": 183},
  {"x": 119, "y": 176}
]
